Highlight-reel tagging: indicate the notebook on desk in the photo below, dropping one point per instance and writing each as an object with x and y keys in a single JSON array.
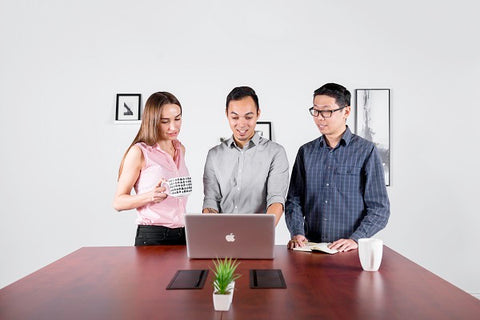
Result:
[{"x": 238, "y": 236}]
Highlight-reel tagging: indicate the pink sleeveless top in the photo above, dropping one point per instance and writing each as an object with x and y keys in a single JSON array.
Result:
[{"x": 159, "y": 164}]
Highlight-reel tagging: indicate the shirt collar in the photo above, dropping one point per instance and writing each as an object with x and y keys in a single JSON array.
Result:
[
  {"x": 176, "y": 144},
  {"x": 254, "y": 141},
  {"x": 345, "y": 140},
  {"x": 347, "y": 136}
]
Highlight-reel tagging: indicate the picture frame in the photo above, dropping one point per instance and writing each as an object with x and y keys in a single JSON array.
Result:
[
  {"x": 128, "y": 107},
  {"x": 372, "y": 115},
  {"x": 264, "y": 129}
]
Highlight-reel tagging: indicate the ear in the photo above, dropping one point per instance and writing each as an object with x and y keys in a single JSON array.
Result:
[
  {"x": 348, "y": 110},
  {"x": 258, "y": 113}
]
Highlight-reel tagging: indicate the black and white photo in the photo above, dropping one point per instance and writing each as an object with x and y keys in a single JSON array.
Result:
[
  {"x": 128, "y": 107},
  {"x": 264, "y": 129},
  {"x": 373, "y": 122}
]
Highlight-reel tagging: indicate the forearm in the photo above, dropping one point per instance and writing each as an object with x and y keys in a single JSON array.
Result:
[
  {"x": 294, "y": 220},
  {"x": 211, "y": 189},
  {"x": 294, "y": 213},
  {"x": 377, "y": 205},
  {"x": 276, "y": 209},
  {"x": 210, "y": 205},
  {"x": 128, "y": 202},
  {"x": 277, "y": 184},
  {"x": 374, "y": 221}
]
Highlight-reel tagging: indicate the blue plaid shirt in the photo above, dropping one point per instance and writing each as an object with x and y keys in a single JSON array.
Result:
[{"x": 337, "y": 193}]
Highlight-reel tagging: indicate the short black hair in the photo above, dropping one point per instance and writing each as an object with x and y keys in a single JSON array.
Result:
[
  {"x": 340, "y": 93},
  {"x": 238, "y": 93}
]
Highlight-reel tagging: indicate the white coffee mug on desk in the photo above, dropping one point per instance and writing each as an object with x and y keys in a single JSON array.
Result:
[{"x": 370, "y": 252}]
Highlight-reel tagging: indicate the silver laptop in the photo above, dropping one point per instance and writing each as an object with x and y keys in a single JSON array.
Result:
[{"x": 239, "y": 236}]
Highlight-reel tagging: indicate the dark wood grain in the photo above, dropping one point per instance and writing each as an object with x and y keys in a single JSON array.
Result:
[{"x": 130, "y": 283}]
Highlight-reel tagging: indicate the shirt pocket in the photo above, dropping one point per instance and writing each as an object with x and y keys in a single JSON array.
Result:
[{"x": 348, "y": 178}]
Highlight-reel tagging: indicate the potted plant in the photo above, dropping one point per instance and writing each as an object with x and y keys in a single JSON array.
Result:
[{"x": 224, "y": 283}]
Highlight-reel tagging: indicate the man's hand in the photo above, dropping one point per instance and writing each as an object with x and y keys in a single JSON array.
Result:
[
  {"x": 209, "y": 210},
  {"x": 343, "y": 245},
  {"x": 297, "y": 241}
]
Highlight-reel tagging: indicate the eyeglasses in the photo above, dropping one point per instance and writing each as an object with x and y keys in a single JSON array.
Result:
[{"x": 325, "y": 113}]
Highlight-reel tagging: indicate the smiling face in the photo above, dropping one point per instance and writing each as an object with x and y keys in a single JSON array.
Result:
[
  {"x": 336, "y": 124},
  {"x": 170, "y": 122},
  {"x": 242, "y": 116}
]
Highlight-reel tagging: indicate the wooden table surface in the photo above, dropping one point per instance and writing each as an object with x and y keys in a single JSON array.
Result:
[{"x": 130, "y": 283}]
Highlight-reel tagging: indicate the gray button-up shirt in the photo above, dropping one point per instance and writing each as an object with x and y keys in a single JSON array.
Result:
[{"x": 245, "y": 180}]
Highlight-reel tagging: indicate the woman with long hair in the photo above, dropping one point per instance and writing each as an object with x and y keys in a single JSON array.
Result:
[{"x": 155, "y": 156}]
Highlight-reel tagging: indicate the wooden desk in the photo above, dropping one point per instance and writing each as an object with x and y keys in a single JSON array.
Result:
[{"x": 129, "y": 283}]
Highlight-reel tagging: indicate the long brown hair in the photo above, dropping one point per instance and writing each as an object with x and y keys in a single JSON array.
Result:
[{"x": 150, "y": 127}]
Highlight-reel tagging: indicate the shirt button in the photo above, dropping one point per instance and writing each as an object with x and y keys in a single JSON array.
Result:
[
  {"x": 326, "y": 201},
  {"x": 327, "y": 184},
  {"x": 238, "y": 189},
  {"x": 236, "y": 207}
]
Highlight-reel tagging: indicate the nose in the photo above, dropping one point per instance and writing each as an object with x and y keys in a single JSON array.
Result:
[{"x": 242, "y": 121}]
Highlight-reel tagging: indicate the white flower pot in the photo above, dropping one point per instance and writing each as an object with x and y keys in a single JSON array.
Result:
[
  {"x": 231, "y": 287},
  {"x": 222, "y": 302}
]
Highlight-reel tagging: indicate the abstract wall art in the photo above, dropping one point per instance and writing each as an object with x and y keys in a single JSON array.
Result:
[
  {"x": 264, "y": 129},
  {"x": 128, "y": 107},
  {"x": 373, "y": 122}
]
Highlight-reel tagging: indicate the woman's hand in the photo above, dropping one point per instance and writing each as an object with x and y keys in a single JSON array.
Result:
[{"x": 158, "y": 193}]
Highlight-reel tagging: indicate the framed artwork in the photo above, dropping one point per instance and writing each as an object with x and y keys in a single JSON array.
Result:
[
  {"x": 128, "y": 107},
  {"x": 264, "y": 129},
  {"x": 373, "y": 122}
]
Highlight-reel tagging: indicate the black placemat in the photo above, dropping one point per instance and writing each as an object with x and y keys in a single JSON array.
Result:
[
  {"x": 267, "y": 279},
  {"x": 188, "y": 279}
]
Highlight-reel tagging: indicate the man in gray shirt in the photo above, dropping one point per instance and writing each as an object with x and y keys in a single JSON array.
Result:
[{"x": 245, "y": 173}]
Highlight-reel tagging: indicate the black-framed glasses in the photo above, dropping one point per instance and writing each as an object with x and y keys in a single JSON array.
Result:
[{"x": 325, "y": 113}]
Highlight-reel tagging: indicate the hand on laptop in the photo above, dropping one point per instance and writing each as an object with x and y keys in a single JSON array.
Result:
[
  {"x": 209, "y": 210},
  {"x": 297, "y": 241}
]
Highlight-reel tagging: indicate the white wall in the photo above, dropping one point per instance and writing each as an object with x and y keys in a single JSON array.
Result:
[{"x": 62, "y": 64}]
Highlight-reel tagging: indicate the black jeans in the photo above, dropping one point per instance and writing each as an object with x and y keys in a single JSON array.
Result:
[{"x": 158, "y": 235}]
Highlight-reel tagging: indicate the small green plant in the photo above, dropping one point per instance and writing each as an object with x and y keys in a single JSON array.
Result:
[{"x": 224, "y": 274}]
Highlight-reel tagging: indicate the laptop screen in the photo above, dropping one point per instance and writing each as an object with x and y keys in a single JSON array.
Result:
[{"x": 238, "y": 236}]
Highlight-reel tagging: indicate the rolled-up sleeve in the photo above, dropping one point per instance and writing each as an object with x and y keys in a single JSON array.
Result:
[
  {"x": 211, "y": 188},
  {"x": 277, "y": 183}
]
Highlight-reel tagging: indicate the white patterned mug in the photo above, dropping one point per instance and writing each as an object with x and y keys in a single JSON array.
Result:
[{"x": 178, "y": 186}]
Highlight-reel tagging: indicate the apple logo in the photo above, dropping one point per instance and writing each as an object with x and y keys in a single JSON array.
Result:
[{"x": 230, "y": 237}]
